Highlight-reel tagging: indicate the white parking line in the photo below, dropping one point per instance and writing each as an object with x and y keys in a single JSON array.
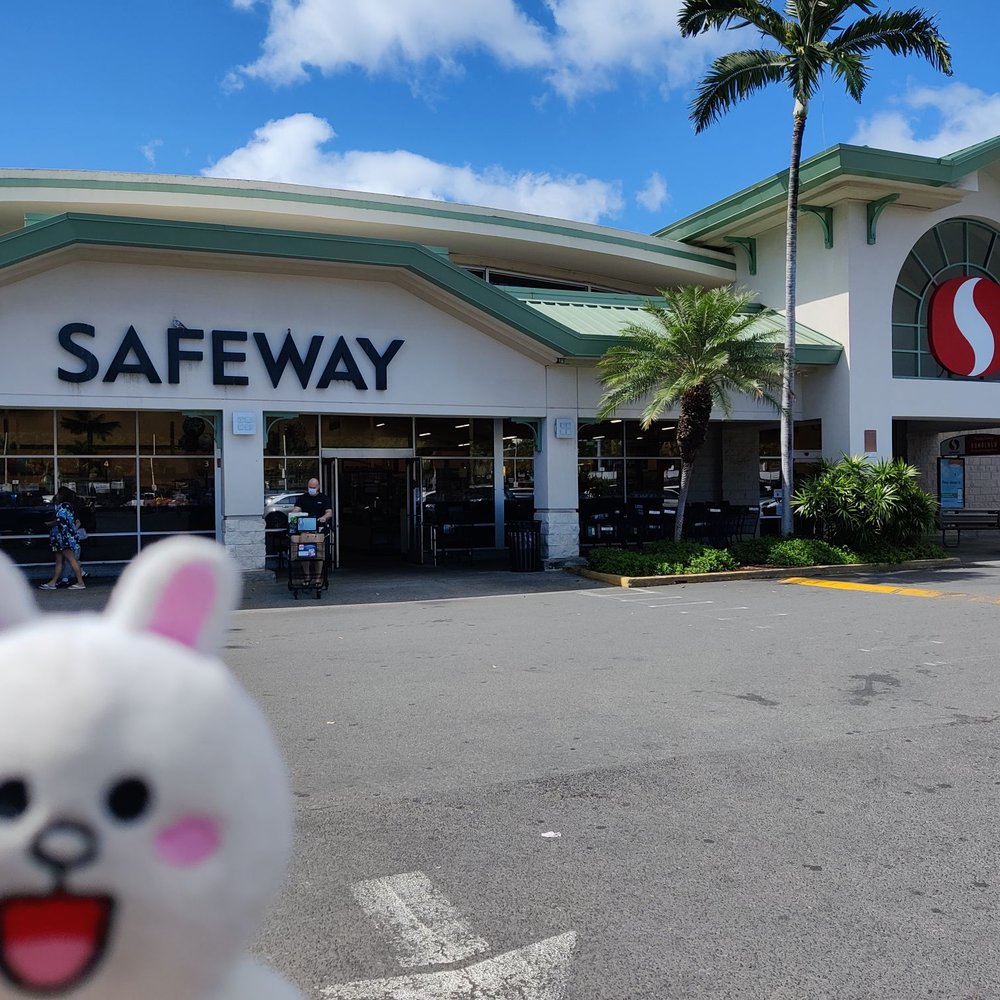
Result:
[
  {"x": 424, "y": 926},
  {"x": 538, "y": 972}
]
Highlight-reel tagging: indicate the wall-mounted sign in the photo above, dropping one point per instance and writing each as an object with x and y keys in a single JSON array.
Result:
[
  {"x": 564, "y": 427},
  {"x": 244, "y": 422},
  {"x": 971, "y": 444},
  {"x": 339, "y": 363},
  {"x": 964, "y": 326},
  {"x": 951, "y": 482}
]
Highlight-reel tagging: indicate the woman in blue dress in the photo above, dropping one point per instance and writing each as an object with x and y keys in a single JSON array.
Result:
[{"x": 64, "y": 542}]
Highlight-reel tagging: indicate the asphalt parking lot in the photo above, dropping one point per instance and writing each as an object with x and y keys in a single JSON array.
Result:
[{"x": 760, "y": 789}]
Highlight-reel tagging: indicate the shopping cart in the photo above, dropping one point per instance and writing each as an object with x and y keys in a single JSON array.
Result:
[{"x": 309, "y": 556}]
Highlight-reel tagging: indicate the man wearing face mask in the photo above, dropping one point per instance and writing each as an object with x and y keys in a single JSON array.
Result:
[
  {"x": 312, "y": 503},
  {"x": 311, "y": 572}
]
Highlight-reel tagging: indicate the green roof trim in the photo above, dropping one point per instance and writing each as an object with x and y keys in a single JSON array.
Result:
[
  {"x": 73, "y": 229},
  {"x": 838, "y": 161},
  {"x": 369, "y": 204},
  {"x": 601, "y": 319}
]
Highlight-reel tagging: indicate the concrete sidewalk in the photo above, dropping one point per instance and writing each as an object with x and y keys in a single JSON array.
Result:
[
  {"x": 393, "y": 583},
  {"x": 402, "y": 581}
]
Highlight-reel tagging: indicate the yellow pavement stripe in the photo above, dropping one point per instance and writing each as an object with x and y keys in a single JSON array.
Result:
[{"x": 870, "y": 588}]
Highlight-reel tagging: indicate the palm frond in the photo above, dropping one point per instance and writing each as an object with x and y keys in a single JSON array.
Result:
[
  {"x": 826, "y": 15},
  {"x": 852, "y": 69},
  {"x": 901, "y": 32},
  {"x": 733, "y": 77},
  {"x": 698, "y": 16},
  {"x": 695, "y": 339}
]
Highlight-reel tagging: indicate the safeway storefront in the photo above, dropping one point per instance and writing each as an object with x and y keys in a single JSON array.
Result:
[{"x": 177, "y": 350}]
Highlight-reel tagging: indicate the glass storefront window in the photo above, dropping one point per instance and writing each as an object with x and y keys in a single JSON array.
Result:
[
  {"x": 660, "y": 438},
  {"x": 172, "y": 433},
  {"x": 27, "y": 476},
  {"x": 655, "y": 480},
  {"x": 602, "y": 479},
  {"x": 457, "y": 491},
  {"x": 599, "y": 439},
  {"x": 807, "y": 435},
  {"x": 453, "y": 436},
  {"x": 177, "y": 494},
  {"x": 96, "y": 432},
  {"x": 366, "y": 432},
  {"x": 287, "y": 475},
  {"x": 103, "y": 487},
  {"x": 27, "y": 432},
  {"x": 291, "y": 436}
]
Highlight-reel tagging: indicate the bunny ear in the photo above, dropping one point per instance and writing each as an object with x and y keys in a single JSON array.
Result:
[
  {"x": 183, "y": 589},
  {"x": 16, "y": 602}
]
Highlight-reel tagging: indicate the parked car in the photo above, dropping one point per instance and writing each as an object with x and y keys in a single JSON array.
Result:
[{"x": 24, "y": 514}]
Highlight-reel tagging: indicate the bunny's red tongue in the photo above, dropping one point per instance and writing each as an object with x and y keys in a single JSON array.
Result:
[{"x": 49, "y": 944}]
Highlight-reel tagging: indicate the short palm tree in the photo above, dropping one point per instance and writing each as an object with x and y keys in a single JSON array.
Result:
[
  {"x": 695, "y": 352},
  {"x": 808, "y": 40}
]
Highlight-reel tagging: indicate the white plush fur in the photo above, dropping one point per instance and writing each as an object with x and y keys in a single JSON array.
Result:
[{"x": 87, "y": 701}]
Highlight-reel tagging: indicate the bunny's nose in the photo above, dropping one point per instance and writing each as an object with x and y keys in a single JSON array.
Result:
[{"x": 65, "y": 845}]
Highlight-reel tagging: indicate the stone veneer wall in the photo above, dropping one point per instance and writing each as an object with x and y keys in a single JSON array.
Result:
[
  {"x": 243, "y": 537},
  {"x": 560, "y": 535}
]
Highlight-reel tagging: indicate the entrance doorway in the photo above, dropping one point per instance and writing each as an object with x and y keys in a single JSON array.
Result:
[{"x": 370, "y": 498}]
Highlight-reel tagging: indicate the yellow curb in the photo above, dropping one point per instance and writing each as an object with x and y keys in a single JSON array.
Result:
[
  {"x": 869, "y": 588},
  {"x": 779, "y": 573}
]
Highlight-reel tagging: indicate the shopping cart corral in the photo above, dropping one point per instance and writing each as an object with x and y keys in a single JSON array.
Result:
[{"x": 309, "y": 556}]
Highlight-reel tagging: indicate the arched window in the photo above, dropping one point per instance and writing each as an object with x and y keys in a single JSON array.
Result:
[{"x": 957, "y": 248}]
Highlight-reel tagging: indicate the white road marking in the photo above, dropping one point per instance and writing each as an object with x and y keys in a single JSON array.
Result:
[
  {"x": 537, "y": 972},
  {"x": 381, "y": 604},
  {"x": 424, "y": 926},
  {"x": 686, "y": 604}
]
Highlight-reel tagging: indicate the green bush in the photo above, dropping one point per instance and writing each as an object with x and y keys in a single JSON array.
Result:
[
  {"x": 866, "y": 504},
  {"x": 892, "y": 554},
  {"x": 808, "y": 552},
  {"x": 681, "y": 558},
  {"x": 753, "y": 551}
]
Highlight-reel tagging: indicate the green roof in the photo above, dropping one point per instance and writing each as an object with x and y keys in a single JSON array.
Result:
[
  {"x": 838, "y": 161},
  {"x": 601, "y": 319}
]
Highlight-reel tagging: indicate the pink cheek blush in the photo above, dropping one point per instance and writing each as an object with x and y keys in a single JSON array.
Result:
[{"x": 189, "y": 841}]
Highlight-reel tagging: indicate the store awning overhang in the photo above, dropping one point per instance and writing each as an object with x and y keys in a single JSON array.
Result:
[
  {"x": 841, "y": 173},
  {"x": 600, "y": 320}
]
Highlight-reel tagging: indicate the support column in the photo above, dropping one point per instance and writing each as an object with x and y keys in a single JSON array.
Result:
[
  {"x": 557, "y": 503},
  {"x": 242, "y": 483}
]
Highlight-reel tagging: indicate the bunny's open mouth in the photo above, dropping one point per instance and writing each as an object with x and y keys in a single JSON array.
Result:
[{"x": 50, "y": 944}]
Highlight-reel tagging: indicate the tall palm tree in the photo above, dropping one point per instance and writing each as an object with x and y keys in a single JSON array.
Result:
[
  {"x": 697, "y": 350},
  {"x": 810, "y": 39}
]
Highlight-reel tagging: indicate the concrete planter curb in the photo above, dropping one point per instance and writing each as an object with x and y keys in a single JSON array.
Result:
[{"x": 851, "y": 569}]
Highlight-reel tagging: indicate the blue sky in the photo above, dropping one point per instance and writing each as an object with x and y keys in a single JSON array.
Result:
[{"x": 571, "y": 108}]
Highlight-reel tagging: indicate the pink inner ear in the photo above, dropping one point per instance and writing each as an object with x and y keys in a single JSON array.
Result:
[{"x": 185, "y": 604}]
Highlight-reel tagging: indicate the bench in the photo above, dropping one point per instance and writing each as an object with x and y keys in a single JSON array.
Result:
[{"x": 965, "y": 519}]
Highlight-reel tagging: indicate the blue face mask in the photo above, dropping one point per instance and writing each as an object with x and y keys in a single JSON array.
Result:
[{"x": 313, "y": 491}]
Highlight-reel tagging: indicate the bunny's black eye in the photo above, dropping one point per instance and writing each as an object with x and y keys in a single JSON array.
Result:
[
  {"x": 129, "y": 799},
  {"x": 13, "y": 798}
]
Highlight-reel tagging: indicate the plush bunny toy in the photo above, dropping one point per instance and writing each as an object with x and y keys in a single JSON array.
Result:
[{"x": 145, "y": 818}]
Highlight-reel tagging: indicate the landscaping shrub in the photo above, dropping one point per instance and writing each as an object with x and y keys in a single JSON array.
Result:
[
  {"x": 753, "y": 551},
  {"x": 681, "y": 558},
  {"x": 808, "y": 552},
  {"x": 866, "y": 504}
]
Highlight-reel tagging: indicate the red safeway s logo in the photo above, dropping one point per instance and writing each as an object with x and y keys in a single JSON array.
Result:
[{"x": 964, "y": 326}]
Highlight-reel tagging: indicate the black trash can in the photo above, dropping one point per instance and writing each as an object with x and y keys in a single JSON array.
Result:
[{"x": 524, "y": 542}]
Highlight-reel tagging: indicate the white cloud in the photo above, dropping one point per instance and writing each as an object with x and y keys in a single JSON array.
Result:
[
  {"x": 290, "y": 150},
  {"x": 149, "y": 150},
  {"x": 587, "y": 43},
  {"x": 654, "y": 194},
  {"x": 380, "y": 35},
  {"x": 594, "y": 40},
  {"x": 933, "y": 121}
]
